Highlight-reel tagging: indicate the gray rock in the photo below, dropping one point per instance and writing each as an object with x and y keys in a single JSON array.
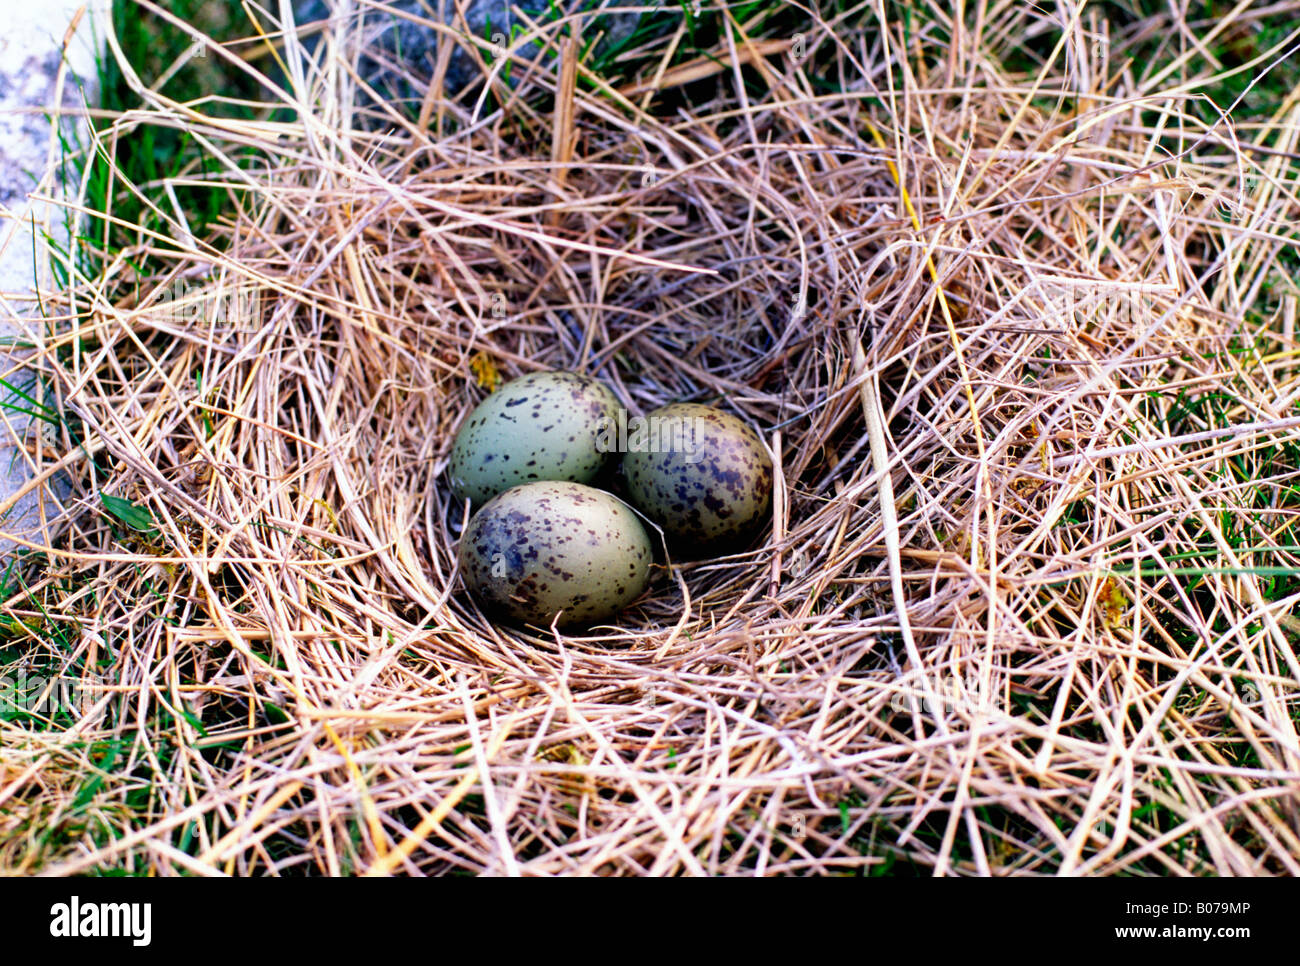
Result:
[
  {"x": 391, "y": 40},
  {"x": 30, "y": 56}
]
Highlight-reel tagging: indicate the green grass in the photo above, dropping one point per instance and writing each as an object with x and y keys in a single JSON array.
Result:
[
  {"x": 146, "y": 156},
  {"x": 41, "y": 627}
]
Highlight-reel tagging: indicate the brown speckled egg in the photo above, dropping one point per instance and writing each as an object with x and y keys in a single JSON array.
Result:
[
  {"x": 700, "y": 473},
  {"x": 543, "y": 426},
  {"x": 546, "y": 548}
]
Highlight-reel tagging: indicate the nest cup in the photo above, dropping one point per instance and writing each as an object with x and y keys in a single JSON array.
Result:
[{"x": 664, "y": 290}]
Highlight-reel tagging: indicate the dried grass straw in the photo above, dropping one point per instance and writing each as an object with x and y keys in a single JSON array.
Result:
[{"x": 983, "y": 675}]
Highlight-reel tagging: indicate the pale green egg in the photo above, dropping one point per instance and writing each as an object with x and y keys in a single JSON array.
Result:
[
  {"x": 549, "y": 548},
  {"x": 543, "y": 426}
]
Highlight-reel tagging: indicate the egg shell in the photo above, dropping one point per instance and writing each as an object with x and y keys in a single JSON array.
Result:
[
  {"x": 550, "y": 547},
  {"x": 698, "y": 472},
  {"x": 543, "y": 426}
]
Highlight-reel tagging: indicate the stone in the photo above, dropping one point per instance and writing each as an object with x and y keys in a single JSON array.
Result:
[
  {"x": 396, "y": 40},
  {"x": 30, "y": 56}
]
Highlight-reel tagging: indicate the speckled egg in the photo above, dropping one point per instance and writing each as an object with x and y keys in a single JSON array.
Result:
[
  {"x": 698, "y": 472},
  {"x": 543, "y": 426},
  {"x": 545, "y": 548}
]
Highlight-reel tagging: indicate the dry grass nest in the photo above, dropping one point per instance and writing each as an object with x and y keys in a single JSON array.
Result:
[{"x": 966, "y": 642}]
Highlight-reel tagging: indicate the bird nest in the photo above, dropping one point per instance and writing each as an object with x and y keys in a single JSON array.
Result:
[{"x": 959, "y": 302}]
